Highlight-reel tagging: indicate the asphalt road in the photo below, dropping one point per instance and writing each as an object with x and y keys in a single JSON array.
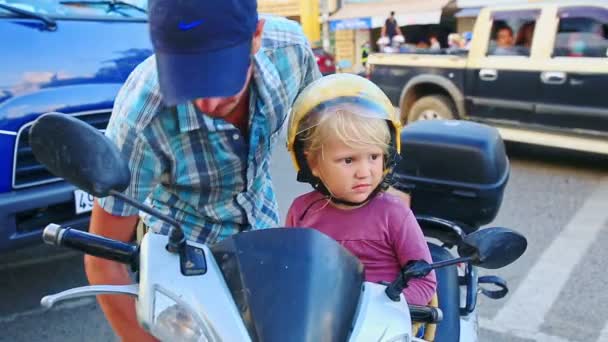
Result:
[{"x": 558, "y": 200}]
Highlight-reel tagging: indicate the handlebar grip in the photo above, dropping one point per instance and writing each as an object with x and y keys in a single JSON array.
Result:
[
  {"x": 91, "y": 244},
  {"x": 425, "y": 314}
]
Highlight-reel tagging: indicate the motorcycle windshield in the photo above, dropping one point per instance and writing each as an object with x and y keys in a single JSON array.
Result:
[{"x": 291, "y": 284}]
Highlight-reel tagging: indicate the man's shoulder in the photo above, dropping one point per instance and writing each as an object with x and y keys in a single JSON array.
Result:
[
  {"x": 139, "y": 100},
  {"x": 281, "y": 33}
]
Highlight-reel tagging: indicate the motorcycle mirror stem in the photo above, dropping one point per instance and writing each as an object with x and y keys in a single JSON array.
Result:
[
  {"x": 177, "y": 239},
  {"x": 417, "y": 269}
]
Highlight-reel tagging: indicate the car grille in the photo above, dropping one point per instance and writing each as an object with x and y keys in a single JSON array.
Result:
[
  {"x": 27, "y": 171},
  {"x": 61, "y": 214}
]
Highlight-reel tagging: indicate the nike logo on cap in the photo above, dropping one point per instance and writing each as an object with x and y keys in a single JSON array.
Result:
[{"x": 189, "y": 26}]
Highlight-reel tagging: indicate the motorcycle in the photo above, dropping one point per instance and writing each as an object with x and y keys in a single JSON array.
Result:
[{"x": 275, "y": 284}]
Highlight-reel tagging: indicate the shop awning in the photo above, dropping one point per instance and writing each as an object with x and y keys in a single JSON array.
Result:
[
  {"x": 470, "y": 12},
  {"x": 373, "y": 14}
]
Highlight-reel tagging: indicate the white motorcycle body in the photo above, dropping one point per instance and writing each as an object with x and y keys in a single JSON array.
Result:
[
  {"x": 276, "y": 284},
  {"x": 204, "y": 302}
]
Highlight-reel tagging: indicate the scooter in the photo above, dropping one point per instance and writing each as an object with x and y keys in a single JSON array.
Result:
[{"x": 265, "y": 285}]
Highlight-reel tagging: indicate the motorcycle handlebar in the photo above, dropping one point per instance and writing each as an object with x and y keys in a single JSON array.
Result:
[
  {"x": 425, "y": 314},
  {"x": 91, "y": 244}
]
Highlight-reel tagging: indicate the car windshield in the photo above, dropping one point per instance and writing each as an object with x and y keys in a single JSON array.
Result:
[{"x": 57, "y": 9}]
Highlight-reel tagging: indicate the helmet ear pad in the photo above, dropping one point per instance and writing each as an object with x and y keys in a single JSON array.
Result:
[
  {"x": 393, "y": 157},
  {"x": 305, "y": 173}
]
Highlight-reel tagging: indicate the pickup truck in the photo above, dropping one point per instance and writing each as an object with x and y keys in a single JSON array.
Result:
[
  {"x": 537, "y": 72},
  {"x": 66, "y": 56}
]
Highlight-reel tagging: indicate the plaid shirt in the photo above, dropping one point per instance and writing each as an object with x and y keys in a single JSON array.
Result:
[{"x": 198, "y": 169}]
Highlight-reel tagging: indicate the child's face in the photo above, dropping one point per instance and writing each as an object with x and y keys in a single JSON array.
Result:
[{"x": 350, "y": 174}]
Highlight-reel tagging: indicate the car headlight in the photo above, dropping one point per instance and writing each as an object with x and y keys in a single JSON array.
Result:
[{"x": 174, "y": 320}]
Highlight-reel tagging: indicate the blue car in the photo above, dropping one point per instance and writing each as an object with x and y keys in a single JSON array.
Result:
[{"x": 65, "y": 56}]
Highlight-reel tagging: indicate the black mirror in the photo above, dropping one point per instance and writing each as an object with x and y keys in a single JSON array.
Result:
[
  {"x": 79, "y": 153},
  {"x": 493, "y": 247}
]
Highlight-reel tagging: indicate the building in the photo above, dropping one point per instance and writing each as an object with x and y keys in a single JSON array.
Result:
[
  {"x": 360, "y": 21},
  {"x": 307, "y": 12}
]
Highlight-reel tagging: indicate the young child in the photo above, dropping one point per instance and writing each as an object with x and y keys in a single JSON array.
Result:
[{"x": 344, "y": 139}]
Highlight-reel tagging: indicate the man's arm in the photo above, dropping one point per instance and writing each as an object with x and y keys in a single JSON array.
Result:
[
  {"x": 119, "y": 310},
  {"x": 114, "y": 218},
  {"x": 311, "y": 72}
]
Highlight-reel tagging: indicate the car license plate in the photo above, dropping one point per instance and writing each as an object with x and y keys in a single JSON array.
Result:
[{"x": 83, "y": 201}]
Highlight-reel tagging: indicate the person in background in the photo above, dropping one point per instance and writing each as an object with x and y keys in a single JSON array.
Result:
[
  {"x": 434, "y": 42},
  {"x": 454, "y": 41},
  {"x": 423, "y": 44},
  {"x": 523, "y": 42},
  {"x": 504, "y": 42},
  {"x": 390, "y": 28},
  {"x": 365, "y": 53}
]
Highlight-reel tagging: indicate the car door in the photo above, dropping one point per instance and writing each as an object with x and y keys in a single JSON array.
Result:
[
  {"x": 501, "y": 78},
  {"x": 574, "y": 80}
]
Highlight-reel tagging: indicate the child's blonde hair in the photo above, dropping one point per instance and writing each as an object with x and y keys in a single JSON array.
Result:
[{"x": 354, "y": 130}]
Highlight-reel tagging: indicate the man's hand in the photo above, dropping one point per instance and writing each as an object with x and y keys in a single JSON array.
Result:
[
  {"x": 406, "y": 198},
  {"x": 119, "y": 310}
]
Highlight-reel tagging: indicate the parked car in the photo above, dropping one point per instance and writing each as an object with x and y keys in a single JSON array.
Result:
[
  {"x": 57, "y": 56},
  {"x": 542, "y": 86},
  {"x": 325, "y": 61}
]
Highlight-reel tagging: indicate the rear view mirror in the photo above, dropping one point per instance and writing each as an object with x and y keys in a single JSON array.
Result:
[
  {"x": 79, "y": 153},
  {"x": 493, "y": 247}
]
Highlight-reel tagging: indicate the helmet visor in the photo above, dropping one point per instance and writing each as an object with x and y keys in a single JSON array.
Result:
[{"x": 352, "y": 105}]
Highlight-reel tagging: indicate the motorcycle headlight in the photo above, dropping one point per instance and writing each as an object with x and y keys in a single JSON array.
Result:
[
  {"x": 401, "y": 338},
  {"x": 174, "y": 320}
]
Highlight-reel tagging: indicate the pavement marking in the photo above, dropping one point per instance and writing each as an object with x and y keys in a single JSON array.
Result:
[
  {"x": 517, "y": 332},
  {"x": 36, "y": 261},
  {"x": 528, "y": 306},
  {"x": 70, "y": 304},
  {"x": 603, "y": 334}
]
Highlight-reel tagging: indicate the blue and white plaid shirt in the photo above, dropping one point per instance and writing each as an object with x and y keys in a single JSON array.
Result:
[{"x": 198, "y": 169}]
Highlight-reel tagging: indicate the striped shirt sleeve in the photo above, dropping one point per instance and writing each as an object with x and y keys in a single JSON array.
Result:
[{"x": 134, "y": 145}]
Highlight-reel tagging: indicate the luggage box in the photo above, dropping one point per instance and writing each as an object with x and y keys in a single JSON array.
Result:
[{"x": 454, "y": 170}]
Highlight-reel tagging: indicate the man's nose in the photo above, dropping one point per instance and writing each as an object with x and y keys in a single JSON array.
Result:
[{"x": 208, "y": 105}]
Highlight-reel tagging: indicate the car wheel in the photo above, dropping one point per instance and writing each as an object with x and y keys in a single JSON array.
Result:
[{"x": 434, "y": 107}]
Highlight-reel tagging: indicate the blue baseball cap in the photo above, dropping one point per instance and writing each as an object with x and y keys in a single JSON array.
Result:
[{"x": 202, "y": 47}]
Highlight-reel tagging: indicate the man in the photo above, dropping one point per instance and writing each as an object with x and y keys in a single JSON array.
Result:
[
  {"x": 390, "y": 28},
  {"x": 196, "y": 122}
]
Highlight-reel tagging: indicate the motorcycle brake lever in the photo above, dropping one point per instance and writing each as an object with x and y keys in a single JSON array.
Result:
[{"x": 92, "y": 290}]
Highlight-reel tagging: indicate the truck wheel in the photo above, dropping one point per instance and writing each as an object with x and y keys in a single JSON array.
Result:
[{"x": 434, "y": 107}]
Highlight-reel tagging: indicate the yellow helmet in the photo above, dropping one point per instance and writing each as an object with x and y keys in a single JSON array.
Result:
[{"x": 362, "y": 96}]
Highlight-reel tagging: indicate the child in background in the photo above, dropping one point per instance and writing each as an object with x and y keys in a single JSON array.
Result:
[{"x": 344, "y": 138}]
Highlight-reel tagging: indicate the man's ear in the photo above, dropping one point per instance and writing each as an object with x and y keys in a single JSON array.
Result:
[{"x": 257, "y": 37}]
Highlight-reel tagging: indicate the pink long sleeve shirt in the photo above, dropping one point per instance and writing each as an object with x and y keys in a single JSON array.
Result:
[{"x": 383, "y": 234}]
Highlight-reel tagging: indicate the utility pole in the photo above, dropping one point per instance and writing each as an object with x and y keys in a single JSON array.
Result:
[{"x": 325, "y": 24}]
